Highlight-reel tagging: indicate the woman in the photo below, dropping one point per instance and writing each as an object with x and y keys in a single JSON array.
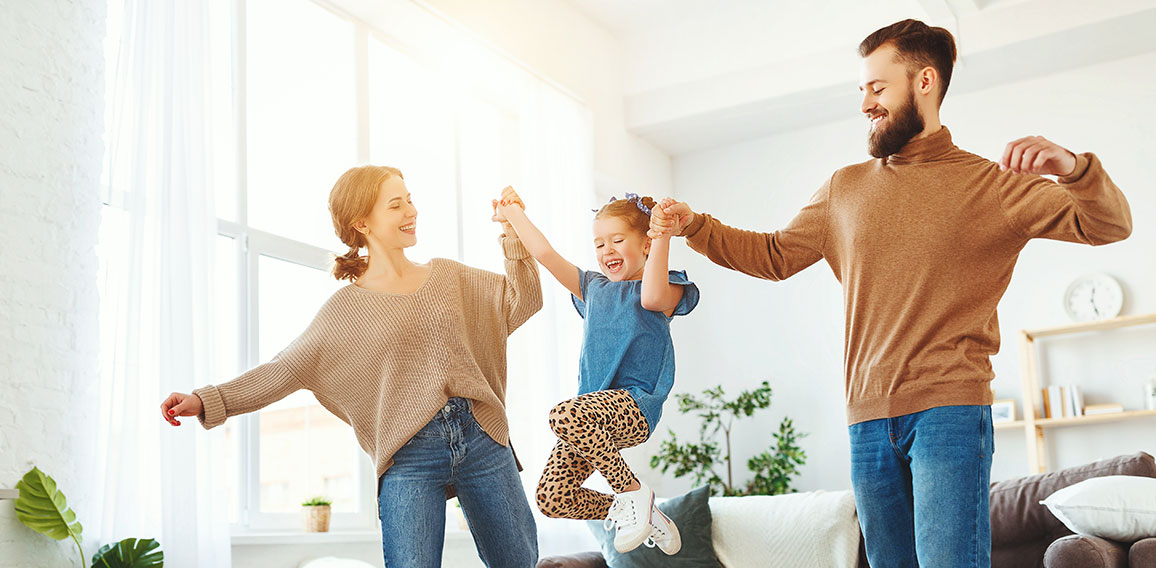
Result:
[{"x": 413, "y": 357}]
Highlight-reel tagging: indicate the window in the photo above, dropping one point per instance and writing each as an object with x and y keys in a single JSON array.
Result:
[{"x": 300, "y": 126}]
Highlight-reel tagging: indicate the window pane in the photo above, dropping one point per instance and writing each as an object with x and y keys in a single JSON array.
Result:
[
  {"x": 305, "y": 450},
  {"x": 412, "y": 128},
  {"x": 289, "y": 296},
  {"x": 226, "y": 318},
  {"x": 301, "y": 116},
  {"x": 483, "y": 177}
]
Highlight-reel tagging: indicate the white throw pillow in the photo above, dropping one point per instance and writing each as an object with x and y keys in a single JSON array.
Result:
[
  {"x": 1115, "y": 507},
  {"x": 799, "y": 530}
]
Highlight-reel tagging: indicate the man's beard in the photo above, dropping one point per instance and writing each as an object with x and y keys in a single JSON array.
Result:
[{"x": 905, "y": 123}]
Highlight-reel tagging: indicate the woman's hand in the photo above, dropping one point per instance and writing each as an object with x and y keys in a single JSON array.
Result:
[
  {"x": 511, "y": 197},
  {"x": 181, "y": 404}
]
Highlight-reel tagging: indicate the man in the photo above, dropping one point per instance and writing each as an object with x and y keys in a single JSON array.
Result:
[{"x": 923, "y": 239}]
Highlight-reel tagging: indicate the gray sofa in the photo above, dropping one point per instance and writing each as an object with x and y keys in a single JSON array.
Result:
[{"x": 1024, "y": 533}]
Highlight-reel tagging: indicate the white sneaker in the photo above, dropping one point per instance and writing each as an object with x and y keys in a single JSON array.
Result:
[
  {"x": 663, "y": 533},
  {"x": 630, "y": 516}
]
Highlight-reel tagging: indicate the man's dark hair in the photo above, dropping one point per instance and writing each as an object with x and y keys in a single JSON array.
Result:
[{"x": 917, "y": 45}]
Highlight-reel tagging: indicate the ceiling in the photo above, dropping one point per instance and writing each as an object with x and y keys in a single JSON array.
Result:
[{"x": 704, "y": 73}]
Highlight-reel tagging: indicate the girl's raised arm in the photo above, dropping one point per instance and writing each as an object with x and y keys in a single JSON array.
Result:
[
  {"x": 513, "y": 210},
  {"x": 658, "y": 294}
]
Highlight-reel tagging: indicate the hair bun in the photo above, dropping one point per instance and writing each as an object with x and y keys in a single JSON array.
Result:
[{"x": 349, "y": 266}]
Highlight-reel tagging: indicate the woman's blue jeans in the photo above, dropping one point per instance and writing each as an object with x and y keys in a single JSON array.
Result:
[
  {"x": 454, "y": 450},
  {"x": 921, "y": 487}
]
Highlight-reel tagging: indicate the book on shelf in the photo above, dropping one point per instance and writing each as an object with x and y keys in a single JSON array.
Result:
[
  {"x": 1107, "y": 408},
  {"x": 1057, "y": 402},
  {"x": 1076, "y": 395},
  {"x": 1063, "y": 401}
]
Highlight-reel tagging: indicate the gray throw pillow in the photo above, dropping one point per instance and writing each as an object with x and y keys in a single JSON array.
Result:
[{"x": 691, "y": 513}]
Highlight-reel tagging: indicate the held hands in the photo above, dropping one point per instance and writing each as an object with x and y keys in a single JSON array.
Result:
[
  {"x": 668, "y": 218},
  {"x": 509, "y": 198},
  {"x": 180, "y": 404},
  {"x": 1037, "y": 155}
]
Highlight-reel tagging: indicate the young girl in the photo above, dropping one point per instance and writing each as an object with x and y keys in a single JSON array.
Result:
[{"x": 626, "y": 368}]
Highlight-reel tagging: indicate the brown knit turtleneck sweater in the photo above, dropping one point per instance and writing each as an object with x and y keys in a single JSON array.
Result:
[
  {"x": 924, "y": 243},
  {"x": 386, "y": 363}
]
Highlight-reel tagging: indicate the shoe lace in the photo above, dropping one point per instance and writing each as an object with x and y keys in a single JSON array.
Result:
[
  {"x": 657, "y": 535},
  {"x": 621, "y": 514}
]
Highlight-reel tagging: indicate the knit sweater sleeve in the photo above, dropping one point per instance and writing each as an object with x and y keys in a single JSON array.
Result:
[
  {"x": 266, "y": 383},
  {"x": 773, "y": 256},
  {"x": 1085, "y": 207},
  {"x": 522, "y": 289}
]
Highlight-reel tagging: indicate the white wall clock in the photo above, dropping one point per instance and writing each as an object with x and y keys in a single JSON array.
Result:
[{"x": 1093, "y": 297}]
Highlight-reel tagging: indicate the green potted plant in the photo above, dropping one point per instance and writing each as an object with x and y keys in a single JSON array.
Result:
[
  {"x": 772, "y": 470},
  {"x": 43, "y": 508},
  {"x": 316, "y": 514}
]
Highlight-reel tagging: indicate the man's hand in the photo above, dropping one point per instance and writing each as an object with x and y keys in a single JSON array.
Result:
[
  {"x": 668, "y": 218},
  {"x": 1037, "y": 155}
]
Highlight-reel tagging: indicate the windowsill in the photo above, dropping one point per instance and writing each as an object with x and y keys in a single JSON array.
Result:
[{"x": 340, "y": 536}]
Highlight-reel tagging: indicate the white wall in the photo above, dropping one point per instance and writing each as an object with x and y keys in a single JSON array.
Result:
[
  {"x": 746, "y": 330},
  {"x": 51, "y": 107}
]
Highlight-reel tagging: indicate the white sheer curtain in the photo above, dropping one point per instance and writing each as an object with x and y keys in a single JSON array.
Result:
[
  {"x": 557, "y": 181},
  {"x": 157, "y": 245}
]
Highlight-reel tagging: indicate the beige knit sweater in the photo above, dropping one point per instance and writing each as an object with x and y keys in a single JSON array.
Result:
[
  {"x": 386, "y": 363},
  {"x": 924, "y": 243}
]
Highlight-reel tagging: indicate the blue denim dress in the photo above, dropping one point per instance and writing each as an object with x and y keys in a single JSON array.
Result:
[{"x": 626, "y": 346}]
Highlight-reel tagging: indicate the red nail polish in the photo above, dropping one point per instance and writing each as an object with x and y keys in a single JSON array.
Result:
[{"x": 171, "y": 413}]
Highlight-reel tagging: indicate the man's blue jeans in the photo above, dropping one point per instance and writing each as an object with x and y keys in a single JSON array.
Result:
[
  {"x": 921, "y": 487},
  {"x": 453, "y": 449}
]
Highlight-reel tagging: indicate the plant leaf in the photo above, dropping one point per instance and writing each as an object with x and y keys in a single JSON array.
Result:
[
  {"x": 43, "y": 508},
  {"x": 130, "y": 553}
]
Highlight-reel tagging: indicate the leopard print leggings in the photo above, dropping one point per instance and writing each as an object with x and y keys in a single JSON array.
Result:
[{"x": 591, "y": 429}]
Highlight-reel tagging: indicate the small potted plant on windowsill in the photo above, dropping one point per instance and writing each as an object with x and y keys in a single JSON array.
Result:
[{"x": 316, "y": 514}]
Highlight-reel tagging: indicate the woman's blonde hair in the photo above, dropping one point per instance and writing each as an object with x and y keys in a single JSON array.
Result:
[{"x": 350, "y": 201}]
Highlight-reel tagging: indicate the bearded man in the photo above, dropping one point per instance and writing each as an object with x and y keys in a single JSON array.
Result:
[{"x": 923, "y": 239}]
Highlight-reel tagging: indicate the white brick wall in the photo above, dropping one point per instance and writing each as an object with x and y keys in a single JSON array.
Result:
[{"x": 51, "y": 129}]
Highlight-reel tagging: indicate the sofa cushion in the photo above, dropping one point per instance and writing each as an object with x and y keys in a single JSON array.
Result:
[
  {"x": 1078, "y": 551},
  {"x": 691, "y": 514},
  {"x": 1143, "y": 553},
  {"x": 1116, "y": 507},
  {"x": 1022, "y": 528},
  {"x": 580, "y": 560},
  {"x": 801, "y": 530}
]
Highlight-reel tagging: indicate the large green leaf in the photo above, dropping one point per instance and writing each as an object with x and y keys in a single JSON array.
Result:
[
  {"x": 130, "y": 553},
  {"x": 43, "y": 508}
]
